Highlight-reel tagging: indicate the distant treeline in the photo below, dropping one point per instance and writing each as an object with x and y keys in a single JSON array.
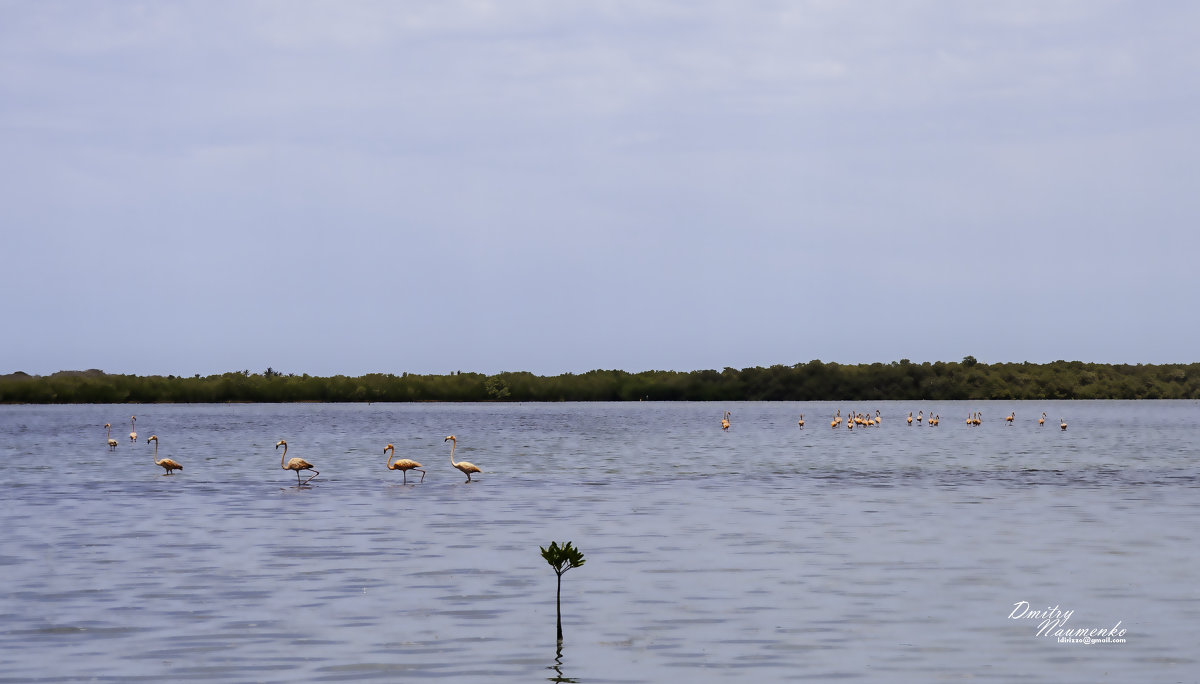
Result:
[{"x": 812, "y": 381}]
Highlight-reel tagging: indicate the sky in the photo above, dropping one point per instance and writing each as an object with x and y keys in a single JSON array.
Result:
[{"x": 352, "y": 187}]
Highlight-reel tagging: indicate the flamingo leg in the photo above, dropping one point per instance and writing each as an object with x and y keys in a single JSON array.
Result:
[
  {"x": 315, "y": 473},
  {"x": 404, "y": 474},
  {"x": 422, "y": 474}
]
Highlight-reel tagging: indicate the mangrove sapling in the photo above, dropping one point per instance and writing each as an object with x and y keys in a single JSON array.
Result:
[{"x": 561, "y": 558}]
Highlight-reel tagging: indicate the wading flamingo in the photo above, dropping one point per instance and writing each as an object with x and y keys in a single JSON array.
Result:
[
  {"x": 466, "y": 468},
  {"x": 1009, "y": 419},
  {"x": 878, "y": 418},
  {"x": 724, "y": 421},
  {"x": 1042, "y": 420},
  {"x": 910, "y": 417},
  {"x": 112, "y": 443},
  {"x": 133, "y": 432},
  {"x": 837, "y": 420},
  {"x": 1062, "y": 423},
  {"x": 801, "y": 423},
  {"x": 296, "y": 464},
  {"x": 166, "y": 464},
  {"x": 403, "y": 465}
]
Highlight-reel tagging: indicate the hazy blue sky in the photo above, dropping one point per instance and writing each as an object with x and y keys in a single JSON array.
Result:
[{"x": 353, "y": 187}]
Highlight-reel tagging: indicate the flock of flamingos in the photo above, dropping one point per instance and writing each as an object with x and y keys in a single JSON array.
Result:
[
  {"x": 405, "y": 464},
  {"x": 975, "y": 418},
  {"x": 297, "y": 464}
]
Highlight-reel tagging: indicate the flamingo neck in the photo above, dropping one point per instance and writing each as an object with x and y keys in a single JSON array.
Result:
[
  {"x": 393, "y": 450},
  {"x": 453, "y": 444},
  {"x": 283, "y": 458}
]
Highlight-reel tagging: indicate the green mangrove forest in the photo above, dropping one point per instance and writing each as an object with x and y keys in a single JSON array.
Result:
[{"x": 812, "y": 381}]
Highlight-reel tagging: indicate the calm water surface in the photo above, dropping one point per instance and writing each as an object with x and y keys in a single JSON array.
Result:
[{"x": 765, "y": 553}]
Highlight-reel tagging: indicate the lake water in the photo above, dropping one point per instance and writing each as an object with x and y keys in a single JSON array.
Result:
[{"x": 764, "y": 553}]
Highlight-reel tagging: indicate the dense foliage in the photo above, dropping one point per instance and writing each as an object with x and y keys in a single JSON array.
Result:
[{"x": 812, "y": 381}]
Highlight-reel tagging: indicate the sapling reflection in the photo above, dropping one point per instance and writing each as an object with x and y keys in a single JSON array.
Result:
[{"x": 561, "y": 558}]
